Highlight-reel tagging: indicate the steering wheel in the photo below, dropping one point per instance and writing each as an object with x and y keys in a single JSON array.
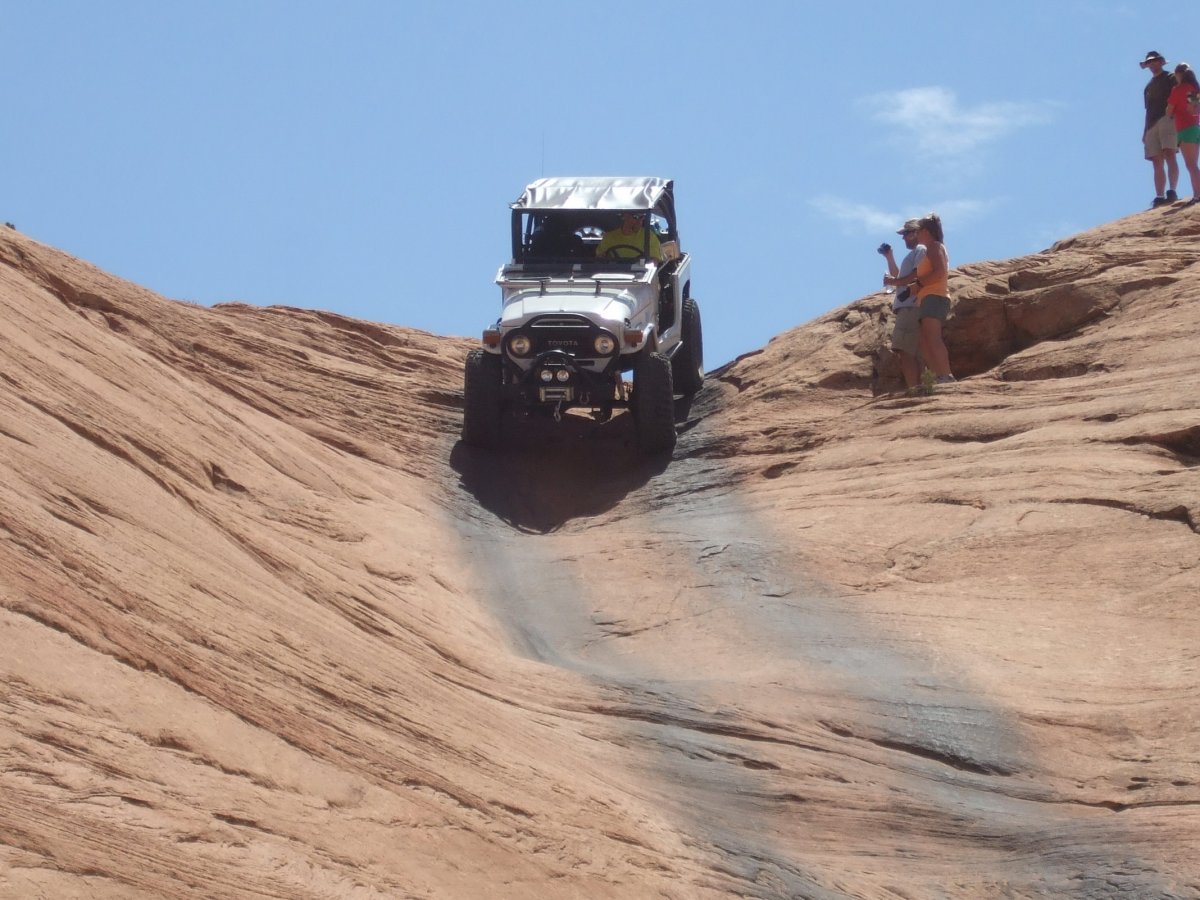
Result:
[{"x": 613, "y": 252}]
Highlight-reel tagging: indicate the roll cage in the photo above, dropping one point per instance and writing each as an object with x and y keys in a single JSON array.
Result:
[{"x": 563, "y": 219}]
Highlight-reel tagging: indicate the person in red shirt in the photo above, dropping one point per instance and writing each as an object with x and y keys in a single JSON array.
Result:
[{"x": 1183, "y": 106}]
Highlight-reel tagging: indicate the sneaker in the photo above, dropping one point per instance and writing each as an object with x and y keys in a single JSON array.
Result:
[
  {"x": 1159, "y": 201},
  {"x": 1172, "y": 196},
  {"x": 946, "y": 379}
]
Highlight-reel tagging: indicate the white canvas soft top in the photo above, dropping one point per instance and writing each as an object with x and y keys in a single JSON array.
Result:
[{"x": 596, "y": 193}]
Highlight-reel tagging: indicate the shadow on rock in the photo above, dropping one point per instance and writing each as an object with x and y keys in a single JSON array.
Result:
[{"x": 547, "y": 473}]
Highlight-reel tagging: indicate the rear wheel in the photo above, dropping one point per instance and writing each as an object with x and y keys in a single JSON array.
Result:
[
  {"x": 482, "y": 399},
  {"x": 653, "y": 403},
  {"x": 687, "y": 365}
]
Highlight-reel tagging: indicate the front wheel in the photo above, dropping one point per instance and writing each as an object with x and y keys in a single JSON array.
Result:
[
  {"x": 653, "y": 403},
  {"x": 482, "y": 399},
  {"x": 687, "y": 365}
]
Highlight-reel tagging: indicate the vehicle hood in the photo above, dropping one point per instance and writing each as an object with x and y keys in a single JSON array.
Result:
[{"x": 610, "y": 305}]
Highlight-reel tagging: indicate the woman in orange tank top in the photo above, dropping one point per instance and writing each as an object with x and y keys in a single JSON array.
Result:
[{"x": 933, "y": 296}]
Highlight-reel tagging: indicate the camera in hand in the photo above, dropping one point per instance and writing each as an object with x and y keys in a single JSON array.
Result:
[{"x": 883, "y": 249}]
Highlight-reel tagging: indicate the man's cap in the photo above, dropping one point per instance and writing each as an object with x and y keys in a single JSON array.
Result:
[
  {"x": 910, "y": 225},
  {"x": 1151, "y": 56}
]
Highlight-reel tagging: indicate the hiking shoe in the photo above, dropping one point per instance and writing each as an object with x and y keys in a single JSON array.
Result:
[
  {"x": 1159, "y": 201},
  {"x": 1172, "y": 196},
  {"x": 946, "y": 379}
]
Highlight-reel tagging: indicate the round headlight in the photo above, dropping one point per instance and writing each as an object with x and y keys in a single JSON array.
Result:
[
  {"x": 546, "y": 375},
  {"x": 520, "y": 345},
  {"x": 562, "y": 375},
  {"x": 605, "y": 345}
]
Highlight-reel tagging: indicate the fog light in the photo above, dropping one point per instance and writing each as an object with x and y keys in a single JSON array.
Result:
[
  {"x": 546, "y": 375},
  {"x": 562, "y": 375}
]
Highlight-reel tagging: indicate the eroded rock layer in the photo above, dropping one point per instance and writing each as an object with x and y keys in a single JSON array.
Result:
[{"x": 268, "y": 630}]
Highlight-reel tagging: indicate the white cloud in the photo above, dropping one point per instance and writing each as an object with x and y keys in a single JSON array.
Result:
[
  {"x": 934, "y": 123},
  {"x": 947, "y": 139},
  {"x": 856, "y": 216},
  {"x": 862, "y": 218}
]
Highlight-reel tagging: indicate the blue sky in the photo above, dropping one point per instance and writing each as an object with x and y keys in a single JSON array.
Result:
[{"x": 360, "y": 157}]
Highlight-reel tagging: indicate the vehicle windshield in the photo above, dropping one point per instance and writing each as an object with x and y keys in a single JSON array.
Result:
[{"x": 574, "y": 237}]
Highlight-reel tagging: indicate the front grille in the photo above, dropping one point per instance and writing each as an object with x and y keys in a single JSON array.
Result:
[
  {"x": 570, "y": 334},
  {"x": 572, "y": 344}
]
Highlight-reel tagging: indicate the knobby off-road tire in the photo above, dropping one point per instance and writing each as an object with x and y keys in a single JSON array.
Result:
[
  {"x": 687, "y": 365},
  {"x": 653, "y": 403},
  {"x": 482, "y": 400}
]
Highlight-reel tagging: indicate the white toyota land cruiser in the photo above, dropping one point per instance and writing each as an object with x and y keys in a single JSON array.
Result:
[{"x": 597, "y": 287}]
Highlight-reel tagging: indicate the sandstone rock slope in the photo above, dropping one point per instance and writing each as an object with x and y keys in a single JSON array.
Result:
[{"x": 268, "y": 630}]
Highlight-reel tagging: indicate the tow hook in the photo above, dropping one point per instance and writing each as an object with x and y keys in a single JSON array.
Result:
[{"x": 558, "y": 411}]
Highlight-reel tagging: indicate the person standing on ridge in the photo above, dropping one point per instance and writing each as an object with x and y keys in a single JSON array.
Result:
[
  {"x": 905, "y": 340},
  {"x": 1159, "y": 138},
  {"x": 933, "y": 296},
  {"x": 1184, "y": 106}
]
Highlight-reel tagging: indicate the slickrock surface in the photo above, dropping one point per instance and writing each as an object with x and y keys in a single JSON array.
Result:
[{"x": 268, "y": 630}]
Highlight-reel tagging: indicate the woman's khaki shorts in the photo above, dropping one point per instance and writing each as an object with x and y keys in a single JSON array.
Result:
[{"x": 934, "y": 307}]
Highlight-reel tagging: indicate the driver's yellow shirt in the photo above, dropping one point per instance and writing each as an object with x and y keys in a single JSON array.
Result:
[{"x": 625, "y": 242}]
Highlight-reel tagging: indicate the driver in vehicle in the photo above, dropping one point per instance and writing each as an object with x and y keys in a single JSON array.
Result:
[{"x": 629, "y": 240}]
